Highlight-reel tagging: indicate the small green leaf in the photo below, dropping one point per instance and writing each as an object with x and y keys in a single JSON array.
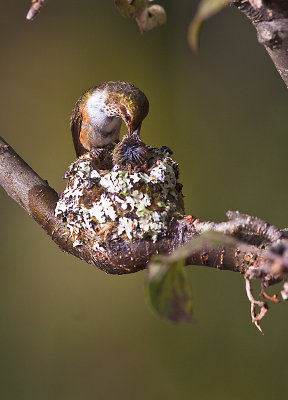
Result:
[
  {"x": 206, "y": 9},
  {"x": 169, "y": 291},
  {"x": 168, "y": 288}
]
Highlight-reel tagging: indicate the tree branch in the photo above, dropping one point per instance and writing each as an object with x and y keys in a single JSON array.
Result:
[
  {"x": 251, "y": 235},
  {"x": 39, "y": 200},
  {"x": 242, "y": 244},
  {"x": 270, "y": 18}
]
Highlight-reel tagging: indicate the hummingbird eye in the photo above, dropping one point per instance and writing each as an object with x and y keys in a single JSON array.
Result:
[{"x": 127, "y": 117}]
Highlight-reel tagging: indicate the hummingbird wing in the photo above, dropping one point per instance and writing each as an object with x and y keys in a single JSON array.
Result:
[{"x": 75, "y": 125}]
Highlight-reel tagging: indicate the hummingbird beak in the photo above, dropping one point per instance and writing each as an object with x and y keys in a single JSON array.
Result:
[
  {"x": 130, "y": 129},
  {"x": 136, "y": 133}
]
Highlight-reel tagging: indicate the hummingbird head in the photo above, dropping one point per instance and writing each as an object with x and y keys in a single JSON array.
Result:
[
  {"x": 96, "y": 117},
  {"x": 127, "y": 102}
]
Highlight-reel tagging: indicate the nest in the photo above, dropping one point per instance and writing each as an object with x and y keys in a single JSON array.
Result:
[{"x": 109, "y": 199}]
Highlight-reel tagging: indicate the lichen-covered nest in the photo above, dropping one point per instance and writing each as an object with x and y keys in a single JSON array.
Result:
[{"x": 104, "y": 201}]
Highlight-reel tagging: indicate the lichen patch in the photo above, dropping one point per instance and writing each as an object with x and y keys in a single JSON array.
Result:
[{"x": 99, "y": 204}]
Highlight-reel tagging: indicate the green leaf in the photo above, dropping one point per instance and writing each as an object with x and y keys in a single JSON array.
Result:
[
  {"x": 169, "y": 291},
  {"x": 168, "y": 288},
  {"x": 206, "y": 9}
]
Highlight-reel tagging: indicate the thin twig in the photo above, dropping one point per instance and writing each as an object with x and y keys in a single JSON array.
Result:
[
  {"x": 34, "y": 9},
  {"x": 256, "y": 318}
]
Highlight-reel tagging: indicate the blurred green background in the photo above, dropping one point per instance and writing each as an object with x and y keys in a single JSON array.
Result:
[{"x": 69, "y": 331}]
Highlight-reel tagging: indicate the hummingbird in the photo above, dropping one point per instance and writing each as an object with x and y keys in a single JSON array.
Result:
[
  {"x": 130, "y": 153},
  {"x": 97, "y": 116}
]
